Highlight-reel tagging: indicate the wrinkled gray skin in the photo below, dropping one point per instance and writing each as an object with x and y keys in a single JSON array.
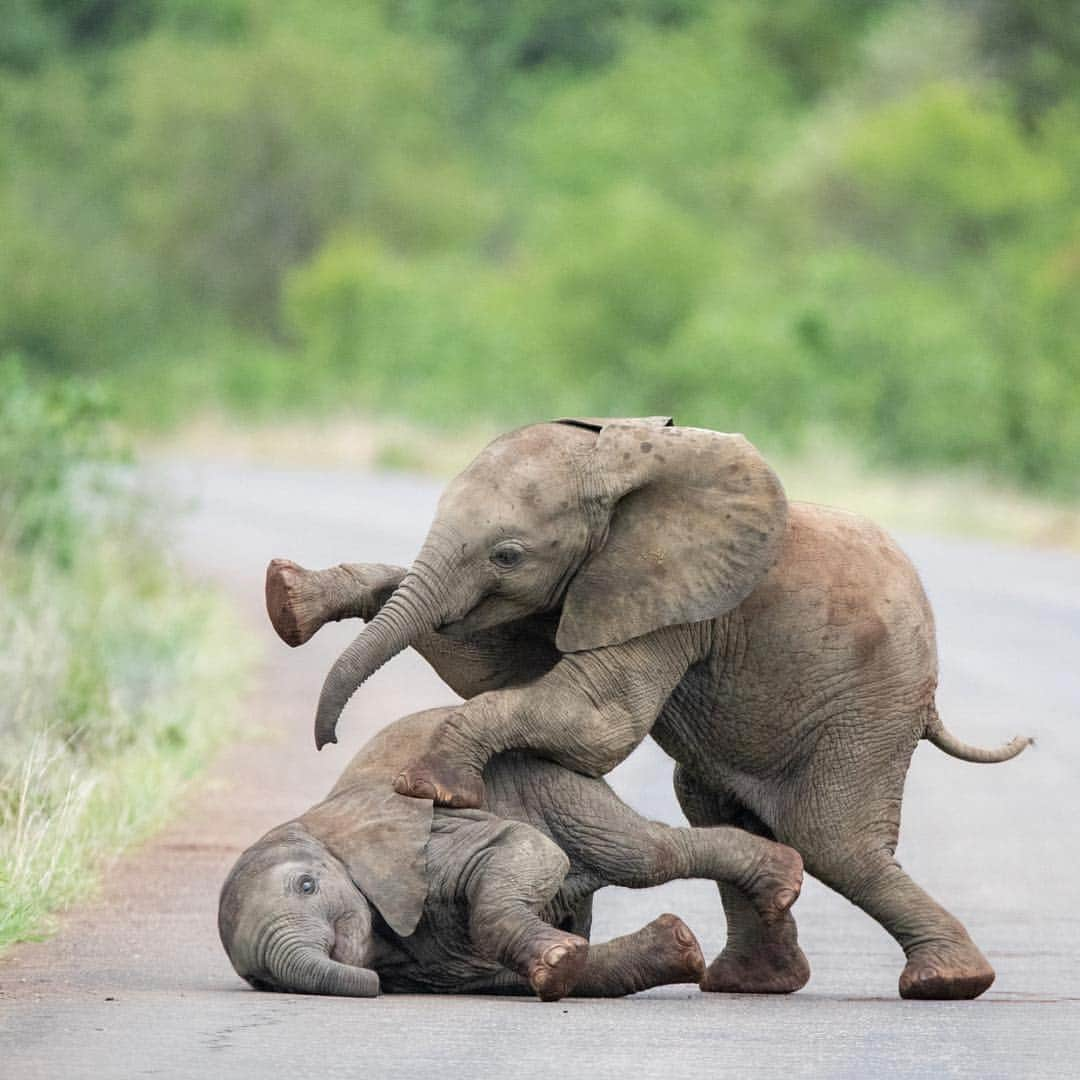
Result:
[
  {"x": 587, "y": 582},
  {"x": 370, "y": 884}
]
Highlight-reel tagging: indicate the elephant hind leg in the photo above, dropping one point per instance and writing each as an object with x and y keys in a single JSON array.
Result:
[
  {"x": 761, "y": 956},
  {"x": 849, "y": 844},
  {"x": 942, "y": 960},
  {"x": 663, "y": 953}
]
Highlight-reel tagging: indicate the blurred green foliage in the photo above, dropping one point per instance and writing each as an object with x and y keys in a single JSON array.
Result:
[
  {"x": 760, "y": 214},
  {"x": 118, "y": 678},
  {"x": 47, "y": 432}
]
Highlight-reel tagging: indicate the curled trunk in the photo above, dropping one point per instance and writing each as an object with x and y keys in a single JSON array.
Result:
[{"x": 303, "y": 968}]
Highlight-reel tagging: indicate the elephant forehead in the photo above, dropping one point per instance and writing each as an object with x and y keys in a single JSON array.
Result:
[
  {"x": 249, "y": 899},
  {"x": 540, "y": 450},
  {"x": 512, "y": 464},
  {"x": 281, "y": 844},
  {"x": 509, "y": 490}
]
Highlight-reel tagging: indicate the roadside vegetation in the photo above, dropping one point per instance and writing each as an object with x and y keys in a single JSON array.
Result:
[
  {"x": 779, "y": 216},
  {"x": 117, "y": 679}
]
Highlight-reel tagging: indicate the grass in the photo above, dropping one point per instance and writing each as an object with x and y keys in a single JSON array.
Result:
[
  {"x": 117, "y": 678},
  {"x": 118, "y": 687},
  {"x": 947, "y": 502}
]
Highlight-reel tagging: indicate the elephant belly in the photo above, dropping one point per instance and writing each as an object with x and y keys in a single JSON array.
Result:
[
  {"x": 712, "y": 727},
  {"x": 803, "y": 683},
  {"x": 438, "y": 957},
  {"x": 730, "y": 743}
]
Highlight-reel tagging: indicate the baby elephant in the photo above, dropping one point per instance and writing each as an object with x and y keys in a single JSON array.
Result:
[{"x": 372, "y": 887}]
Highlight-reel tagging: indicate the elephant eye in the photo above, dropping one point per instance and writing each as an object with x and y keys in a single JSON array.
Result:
[
  {"x": 507, "y": 556},
  {"x": 306, "y": 884}
]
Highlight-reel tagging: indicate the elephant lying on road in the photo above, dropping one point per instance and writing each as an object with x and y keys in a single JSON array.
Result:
[
  {"x": 372, "y": 885},
  {"x": 586, "y": 582}
]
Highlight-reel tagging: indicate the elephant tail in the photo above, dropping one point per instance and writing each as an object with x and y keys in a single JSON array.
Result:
[{"x": 944, "y": 739}]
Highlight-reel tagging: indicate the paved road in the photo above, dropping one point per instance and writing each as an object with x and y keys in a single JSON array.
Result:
[{"x": 137, "y": 985}]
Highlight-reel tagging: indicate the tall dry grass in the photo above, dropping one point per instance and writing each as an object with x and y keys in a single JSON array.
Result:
[{"x": 117, "y": 679}]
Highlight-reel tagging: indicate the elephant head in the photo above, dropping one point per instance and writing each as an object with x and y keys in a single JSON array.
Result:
[
  {"x": 296, "y": 911},
  {"x": 620, "y": 526}
]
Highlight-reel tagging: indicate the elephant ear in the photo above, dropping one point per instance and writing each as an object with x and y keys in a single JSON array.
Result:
[
  {"x": 694, "y": 520},
  {"x": 381, "y": 837}
]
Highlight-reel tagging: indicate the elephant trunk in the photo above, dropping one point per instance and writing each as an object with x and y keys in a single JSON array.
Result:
[
  {"x": 302, "y": 968},
  {"x": 410, "y": 613}
]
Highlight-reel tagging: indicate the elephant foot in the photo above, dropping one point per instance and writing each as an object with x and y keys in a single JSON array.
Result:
[
  {"x": 777, "y": 884},
  {"x": 673, "y": 951},
  {"x": 433, "y": 778},
  {"x": 555, "y": 971},
  {"x": 768, "y": 968},
  {"x": 294, "y": 601},
  {"x": 949, "y": 973}
]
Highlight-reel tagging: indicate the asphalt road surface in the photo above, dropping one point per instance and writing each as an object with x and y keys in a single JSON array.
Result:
[{"x": 136, "y": 984}]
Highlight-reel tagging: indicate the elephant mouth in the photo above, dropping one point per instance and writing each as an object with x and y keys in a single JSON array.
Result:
[
  {"x": 350, "y": 940},
  {"x": 459, "y": 627},
  {"x": 489, "y": 613},
  {"x": 456, "y": 631}
]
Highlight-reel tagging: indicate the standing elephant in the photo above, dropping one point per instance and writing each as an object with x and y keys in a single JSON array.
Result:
[
  {"x": 370, "y": 886},
  {"x": 586, "y": 582}
]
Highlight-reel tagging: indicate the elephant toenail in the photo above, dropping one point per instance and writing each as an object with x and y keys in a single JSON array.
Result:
[{"x": 417, "y": 787}]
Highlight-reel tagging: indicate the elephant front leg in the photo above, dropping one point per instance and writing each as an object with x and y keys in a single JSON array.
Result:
[
  {"x": 762, "y": 953},
  {"x": 587, "y": 713},
  {"x": 943, "y": 963},
  {"x": 300, "y": 602},
  {"x": 759, "y": 957}
]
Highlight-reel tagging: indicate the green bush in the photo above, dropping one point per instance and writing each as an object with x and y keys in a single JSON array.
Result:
[
  {"x": 615, "y": 276},
  {"x": 691, "y": 113},
  {"x": 773, "y": 215},
  {"x": 241, "y": 159},
  {"x": 48, "y": 433},
  {"x": 413, "y": 338},
  {"x": 939, "y": 170},
  {"x": 498, "y": 39},
  {"x": 118, "y": 678}
]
